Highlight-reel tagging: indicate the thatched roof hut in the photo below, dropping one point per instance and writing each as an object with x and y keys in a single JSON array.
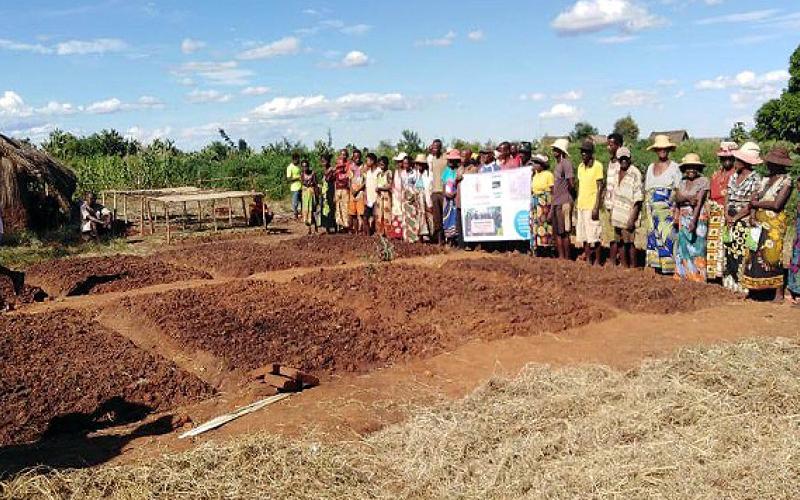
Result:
[{"x": 35, "y": 190}]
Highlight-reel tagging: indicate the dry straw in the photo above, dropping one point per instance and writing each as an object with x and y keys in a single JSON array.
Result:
[{"x": 721, "y": 422}]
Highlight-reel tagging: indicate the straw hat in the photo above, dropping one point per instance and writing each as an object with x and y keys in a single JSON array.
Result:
[
  {"x": 779, "y": 156},
  {"x": 624, "y": 152},
  {"x": 421, "y": 158},
  {"x": 726, "y": 149},
  {"x": 750, "y": 153},
  {"x": 400, "y": 156},
  {"x": 454, "y": 154},
  {"x": 561, "y": 145},
  {"x": 692, "y": 160},
  {"x": 661, "y": 142}
]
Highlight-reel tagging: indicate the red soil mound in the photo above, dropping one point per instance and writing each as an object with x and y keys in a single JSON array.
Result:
[
  {"x": 631, "y": 290},
  {"x": 240, "y": 259},
  {"x": 14, "y": 291},
  {"x": 355, "y": 320},
  {"x": 94, "y": 275},
  {"x": 61, "y": 363}
]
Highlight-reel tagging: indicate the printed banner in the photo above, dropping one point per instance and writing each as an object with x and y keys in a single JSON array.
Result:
[{"x": 495, "y": 206}]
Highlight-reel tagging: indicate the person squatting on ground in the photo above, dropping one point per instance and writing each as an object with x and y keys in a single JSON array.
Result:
[{"x": 95, "y": 218}]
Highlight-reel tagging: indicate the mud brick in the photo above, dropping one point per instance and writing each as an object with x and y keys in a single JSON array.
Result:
[
  {"x": 259, "y": 373},
  {"x": 293, "y": 373},
  {"x": 282, "y": 383}
]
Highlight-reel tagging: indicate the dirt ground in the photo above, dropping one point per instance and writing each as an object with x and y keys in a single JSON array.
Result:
[
  {"x": 14, "y": 292},
  {"x": 242, "y": 258},
  {"x": 96, "y": 275},
  {"x": 383, "y": 336},
  {"x": 58, "y": 370}
]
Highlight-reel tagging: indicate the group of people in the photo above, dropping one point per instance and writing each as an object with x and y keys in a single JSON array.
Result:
[{"x": 729, "y": 227}]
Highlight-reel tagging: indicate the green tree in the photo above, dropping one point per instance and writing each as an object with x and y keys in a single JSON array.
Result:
[
  {"x": 779, "y": 119},
  {"x": 410, "y": 143},
  {"x": 582, "y": 130},
  {"x": 627, "y": 128},
  {"x": 738, "y": 133}
]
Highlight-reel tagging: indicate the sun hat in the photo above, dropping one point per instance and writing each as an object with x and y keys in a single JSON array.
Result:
[
  {"x": 588, "y": 145},
  {"x": 400, "y": 156},
  {"x": 779, "y": 156},
  {"x": 750, "y": 153},
  {"x": 454, "y": 154},
  {"x": 661, "y": 141},
  {"x": 624, "y": 152},
  {"x": 726, "y": 149},
  {"x": 540, "y": 158},
  {"x": 692, "y": 160},
  {"x": 421, "y": 158},
  {"x": 561, "y": 145}
]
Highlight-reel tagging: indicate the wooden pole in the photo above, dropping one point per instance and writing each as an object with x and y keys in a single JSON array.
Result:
[
  {"x": 230, "y": 211},
  {"x": 166, "y": 218},
  {"x": 214, "y": 214},
  {"x": 141, "y": 215},
  {"x": 125, "y": 206},
  {"x": 199, "y": 214},
  {"x": 244, "y": 211},
  {"x": 264, "y": 213},
  {"x": 185, "y": 215},
  {"x": 150, "y": 216}
]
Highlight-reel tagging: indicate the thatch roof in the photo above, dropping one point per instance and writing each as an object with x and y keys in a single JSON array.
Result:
[
  {"x": 35, "y": 190},
  {"x": 675, "y": 136}
]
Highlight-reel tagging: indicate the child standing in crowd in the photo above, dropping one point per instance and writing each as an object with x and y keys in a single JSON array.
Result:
[
  {"x": 310, "y": 191},
  {"x": 691, "y": 219},
  {"x": 449, "y": 176},
  {"x": 383, "y": 210},
  {"x": 342, "y": 184},
  {"x": 295, "y": 186},
  {"x": 357, "y": 209}
]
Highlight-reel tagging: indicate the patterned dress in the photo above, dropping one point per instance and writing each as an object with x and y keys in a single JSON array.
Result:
[
  {"x": 734, "y": 239},
  {"x": 763, "y": 268},
  {"x": 449, "y": 213},
  {"x": 793, "y": 283},
  {"x": 399, "y": 181},
  {"x": 383, "y": 207},
  {"x": 541, "y": 203},
  {"x": 309, "y": 198},
  {"x": 660, "y": 222},
  {"x": 690, "y": 249},
  {"x": 411, "y": 208},
  {"x": 715, "y": 253}
]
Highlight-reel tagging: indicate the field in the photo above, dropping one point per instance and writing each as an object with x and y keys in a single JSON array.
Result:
[{"x": 135, "y": 348}]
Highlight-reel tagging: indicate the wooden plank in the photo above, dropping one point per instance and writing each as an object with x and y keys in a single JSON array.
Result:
[
  {"x": 214, "y": 213},
  {"x": 141, "y": 216},
  {"x": 166, "y": 218},
  {"x": 125, "y": 207},
  {"x": 264, "y": 213},
  {"x": 150, "y": 215},
  {"x": 230, "y": 211},
  {"x": 199, "y": 214},
  {"x": 228, "y": 417},
  {"x": 244, "y": 211}
]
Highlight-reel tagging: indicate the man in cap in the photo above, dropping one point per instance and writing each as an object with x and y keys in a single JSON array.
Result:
[
  {"x": 563, "y": 187},
  {"x": 627, "y": 190},
  {"x": 588, "y": 230}
]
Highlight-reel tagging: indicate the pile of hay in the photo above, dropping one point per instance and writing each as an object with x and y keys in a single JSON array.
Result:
[{"x": 715, "y": 422}]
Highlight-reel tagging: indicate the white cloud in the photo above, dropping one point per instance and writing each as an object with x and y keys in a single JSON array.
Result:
[
  {"x": 112, "y": 105},
  {"x": 355, "y": 59},
  {"x": 198, "y": 96},
  {"x": 37, "y": 133},
  {"x": 633, "y": 98},
  {"x": 444, "y": 41},
  {"x": 570, "y": 95},
  {"x": 535, "y": 96},
  {"x": 587, "y": 16},
  {"x": 148, "y": 102},
  {"x": 561, "y": 110},
  {"x": 304, "y": 106},
  {"x": 476, "y": 36},
  {"x": 667, "y": 82},
  {"x": 740, "y": 17},
  {"x": 285, "y": 46},
  {"x": 83, "y": 47},
  {"x": 68, "y": 48},
  {"x": 356, "y": 29},
  {"x": 57, "y": 108},
  {"x": 190, "y": 46},
  {"x": 748, "y": 87},
  {"x": 12, "y": 105},
  {"x": 311, "y": 12},
  {"x": 218, "y": 73},
  {"x": 616, "y": 39},
  {"x": 146, "y": 136},
  {"x": 255, "y": 91}
]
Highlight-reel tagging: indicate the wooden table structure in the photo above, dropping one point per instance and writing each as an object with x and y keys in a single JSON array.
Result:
[
  {"x": 120, "y": 198},
  {"x": 198, "y": 198}
]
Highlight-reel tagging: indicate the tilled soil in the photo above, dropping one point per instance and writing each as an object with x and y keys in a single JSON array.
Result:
[
  {"x": 59, "y": 370},
  {"x": 239, "y": 259},
  {"x": 118, "y": 273},
  {"x": 358, "y": 319},
  {"x": 14, "y": 291},
  {"x": 631, "y": 290}
]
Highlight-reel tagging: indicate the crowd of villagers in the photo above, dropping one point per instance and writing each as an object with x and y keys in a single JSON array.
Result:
[{"x": 729, "y": 228}]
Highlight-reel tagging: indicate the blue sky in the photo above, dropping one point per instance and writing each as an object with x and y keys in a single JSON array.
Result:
[{"x": 265, "y": 69}]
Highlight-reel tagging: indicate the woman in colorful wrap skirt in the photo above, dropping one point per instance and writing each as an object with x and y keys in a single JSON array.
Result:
[
  {"x": 715, "y": 250},
  {"x": 661, "y": 179},
  {"x": 691, "y": 219}
]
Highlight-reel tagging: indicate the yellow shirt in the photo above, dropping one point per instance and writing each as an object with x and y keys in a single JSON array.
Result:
[
  {"x": 542, "y": 182},
  {"x": 587, "y": 185}
]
